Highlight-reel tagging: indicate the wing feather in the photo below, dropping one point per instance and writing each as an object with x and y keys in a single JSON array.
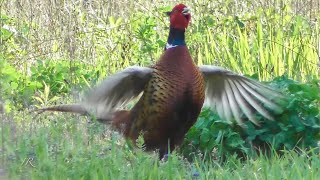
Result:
[
  {"x": 253, "y": 102},
  {"x": 113, "y": 92},
  {"x": 234, "y": 96},
  {"x": 225, "y": 107},
  {"x": 262, "y": 93},
  {"x": 234, "y": 106},
  {"x": 117, "y": 90},
  {"x": 244, "y": 105}
]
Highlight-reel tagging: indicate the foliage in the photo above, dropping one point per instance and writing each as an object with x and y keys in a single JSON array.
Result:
[
  {"x": 52, "y": 50},
  {"x": 68, "y": 147},
  {"x": 56, "y": 77},
  {"x": 298, "y": 127},
  {"x": 266, "y": 40}
]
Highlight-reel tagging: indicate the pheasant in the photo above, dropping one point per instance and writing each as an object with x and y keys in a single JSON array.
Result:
[{"x": 174, "y": 91}]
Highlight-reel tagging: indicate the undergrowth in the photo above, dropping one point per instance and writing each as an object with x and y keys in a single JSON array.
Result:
[
  {"x": 51, "y": 52},
  {"x": 296, "y": 128}
]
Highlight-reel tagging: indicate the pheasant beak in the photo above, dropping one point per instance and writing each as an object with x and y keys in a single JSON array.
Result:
[{"x": 186, "y": 11}]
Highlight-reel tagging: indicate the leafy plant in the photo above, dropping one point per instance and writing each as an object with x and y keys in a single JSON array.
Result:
[{"x": 298, "y": 127}]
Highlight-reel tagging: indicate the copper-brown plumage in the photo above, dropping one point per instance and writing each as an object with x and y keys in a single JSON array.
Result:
[
  {"x": 171, "y": 102},
  {"x": 173, "y": 93}
]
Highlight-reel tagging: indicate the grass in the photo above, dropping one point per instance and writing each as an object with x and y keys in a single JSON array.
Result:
[
  {"x": 250, "y": 36},
  {"x": 51, "y": 51},
  {"x": 67, "y": 147}
]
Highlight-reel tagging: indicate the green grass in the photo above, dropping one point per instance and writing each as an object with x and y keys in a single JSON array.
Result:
[
  {"x": 63, "y": 146},
  {"x": 52, "y": 51}
]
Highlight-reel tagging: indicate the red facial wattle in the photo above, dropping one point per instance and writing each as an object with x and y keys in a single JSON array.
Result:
[{"x": 180, "y": 17}]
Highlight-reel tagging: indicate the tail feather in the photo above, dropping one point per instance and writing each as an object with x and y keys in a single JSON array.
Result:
[
  {"x": 72, "y": 108},
  {"x": 120, "y": 120}
]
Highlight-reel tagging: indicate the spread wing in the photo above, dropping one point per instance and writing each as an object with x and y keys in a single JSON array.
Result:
[
  {"x": 234, "y": 96},
  {"x": 114, "y": 91},
  {"x": 117, "y": 90}
]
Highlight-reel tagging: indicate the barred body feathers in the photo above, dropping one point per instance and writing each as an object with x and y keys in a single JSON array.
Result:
[{"x": 171, "y": 102}]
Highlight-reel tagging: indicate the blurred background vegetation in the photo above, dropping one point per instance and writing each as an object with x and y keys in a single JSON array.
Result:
[
  {"x": 69, "y": 45},
  {"x": 51, "y": 51}
]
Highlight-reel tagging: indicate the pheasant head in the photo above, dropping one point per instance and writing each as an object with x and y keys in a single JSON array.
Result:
[
  {"x": 179, "y": 17},
  {"x": 179, "y": 20}
]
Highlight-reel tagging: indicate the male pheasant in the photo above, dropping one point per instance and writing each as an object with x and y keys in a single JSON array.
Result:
[{"x": 173, "y": 93}]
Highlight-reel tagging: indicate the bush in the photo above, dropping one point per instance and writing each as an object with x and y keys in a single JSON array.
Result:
[{"x": 296, "y": 128}]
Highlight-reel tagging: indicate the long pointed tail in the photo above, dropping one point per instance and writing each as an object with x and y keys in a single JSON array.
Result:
[
  {"x": 72, "y": 108},
  {"x": 120, "y": 120}
]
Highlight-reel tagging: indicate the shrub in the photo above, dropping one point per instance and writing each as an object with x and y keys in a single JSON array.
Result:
[{"x": 296, "y": 128}]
